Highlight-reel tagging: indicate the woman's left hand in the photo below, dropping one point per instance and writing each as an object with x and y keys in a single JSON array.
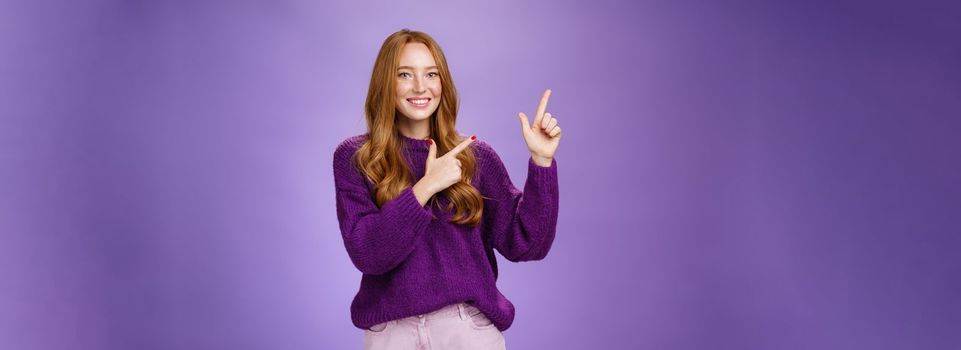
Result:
[{"x": 543, "y": 137}]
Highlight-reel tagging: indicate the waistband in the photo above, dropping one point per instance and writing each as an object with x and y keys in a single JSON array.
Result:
[{"x": 462, "y": 310}]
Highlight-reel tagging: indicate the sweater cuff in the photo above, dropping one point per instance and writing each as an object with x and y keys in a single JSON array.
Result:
[
  {"x": 541, "y": 179},
  {"x": 407, "y": 207},
  {"x": 542, "y": 172},
  {"x": 407, "y": 216}
]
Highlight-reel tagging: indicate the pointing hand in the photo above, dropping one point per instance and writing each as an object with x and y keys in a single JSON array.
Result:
[
  {"x": 444, "y": 171},
  {"x": 544, "y": 136}
]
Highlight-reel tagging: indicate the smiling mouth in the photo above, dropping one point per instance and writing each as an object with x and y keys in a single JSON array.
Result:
[{"x": 419, "y": 102}]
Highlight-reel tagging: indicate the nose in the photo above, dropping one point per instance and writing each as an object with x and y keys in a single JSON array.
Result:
[{"x": 419, "y": 85}]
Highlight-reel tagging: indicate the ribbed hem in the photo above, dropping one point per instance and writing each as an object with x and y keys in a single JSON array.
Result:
[{"x": 484, "y": 297}]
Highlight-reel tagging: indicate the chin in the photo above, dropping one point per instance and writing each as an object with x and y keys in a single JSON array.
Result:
[{"x": 419, "y": 115}]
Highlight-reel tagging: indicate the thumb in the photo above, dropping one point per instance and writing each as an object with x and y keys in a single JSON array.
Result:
[
  {"x": 431, "y": 150},
  {"x": 525, "y": 124}
]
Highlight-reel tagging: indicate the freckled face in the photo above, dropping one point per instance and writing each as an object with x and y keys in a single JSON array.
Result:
[{"x": 418, "y": 82}]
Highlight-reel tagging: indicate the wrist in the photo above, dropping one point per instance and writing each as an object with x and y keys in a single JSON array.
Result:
[
  {"x": 425, "y": 188},
  {"x": 542, "y": 161}
]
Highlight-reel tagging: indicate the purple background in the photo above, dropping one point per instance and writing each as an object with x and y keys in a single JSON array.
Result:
[{"x": 746, "y": 175}]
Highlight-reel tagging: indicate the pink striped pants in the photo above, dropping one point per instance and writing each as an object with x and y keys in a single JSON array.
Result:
[{"x": 455, "y": 326}]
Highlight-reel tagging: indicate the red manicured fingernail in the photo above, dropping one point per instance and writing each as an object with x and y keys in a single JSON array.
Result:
[
  {"x": 473, "y": 137},
  {"x": 430, "y": 142}
]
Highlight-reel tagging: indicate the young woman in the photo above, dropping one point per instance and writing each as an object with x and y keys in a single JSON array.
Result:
[{"x": 422, "y": 209}]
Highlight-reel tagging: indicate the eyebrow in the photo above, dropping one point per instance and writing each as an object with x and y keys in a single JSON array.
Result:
[{"x": 412, "y": 68}]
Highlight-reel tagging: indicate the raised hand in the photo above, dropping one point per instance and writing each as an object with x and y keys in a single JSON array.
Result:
[
  {"x": 440, "y": 172},
  {"x": 544, "y": 136}
]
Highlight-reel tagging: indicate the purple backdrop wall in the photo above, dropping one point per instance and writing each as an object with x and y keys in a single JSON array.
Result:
[{"x": 752, "y": 175}]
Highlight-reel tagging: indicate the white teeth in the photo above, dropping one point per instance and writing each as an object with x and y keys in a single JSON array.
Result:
[{"x": 418, "y": 102}]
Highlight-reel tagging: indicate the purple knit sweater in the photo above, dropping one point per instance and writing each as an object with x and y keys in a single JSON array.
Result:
[{"x": 414, "y": 261}]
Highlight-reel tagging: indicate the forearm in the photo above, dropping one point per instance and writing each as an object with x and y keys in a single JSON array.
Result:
[
  {"x": 526, "y": 224},
  {"x": 378, "y": 241}
]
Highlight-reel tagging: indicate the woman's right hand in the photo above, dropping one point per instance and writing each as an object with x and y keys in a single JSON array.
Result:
[{"x": 440, "y": 172}]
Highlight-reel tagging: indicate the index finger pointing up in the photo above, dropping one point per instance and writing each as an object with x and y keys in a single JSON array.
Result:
[
  {"x": 542, "y": 106},
  {"x": 460, "y": 147}
]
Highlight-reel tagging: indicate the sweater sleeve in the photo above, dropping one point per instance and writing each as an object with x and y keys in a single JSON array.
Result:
[
  {"x": 521, "y": 225},
  {"x": 377, "y": 239}
]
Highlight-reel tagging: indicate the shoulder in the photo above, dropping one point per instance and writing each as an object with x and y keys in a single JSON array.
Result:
[
  {"x": 479, "y": 146},
  {"x": 343, "y": 162},
  {"x": 491, "y": 174},
  {"x": 484, "y": 152},
  {"x": 345, "y": 149},
  {"x": 487, "y": 158}
]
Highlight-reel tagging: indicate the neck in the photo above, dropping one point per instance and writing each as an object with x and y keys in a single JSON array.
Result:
[{"x": 415, "y": 129}]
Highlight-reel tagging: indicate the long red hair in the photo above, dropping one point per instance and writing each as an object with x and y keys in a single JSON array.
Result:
[{"x": 380, "y": 157}]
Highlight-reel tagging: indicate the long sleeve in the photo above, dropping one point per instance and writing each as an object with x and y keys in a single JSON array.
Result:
[
  {"x": 377, "y": 239},
  {"x": 521, "y": 225}
]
